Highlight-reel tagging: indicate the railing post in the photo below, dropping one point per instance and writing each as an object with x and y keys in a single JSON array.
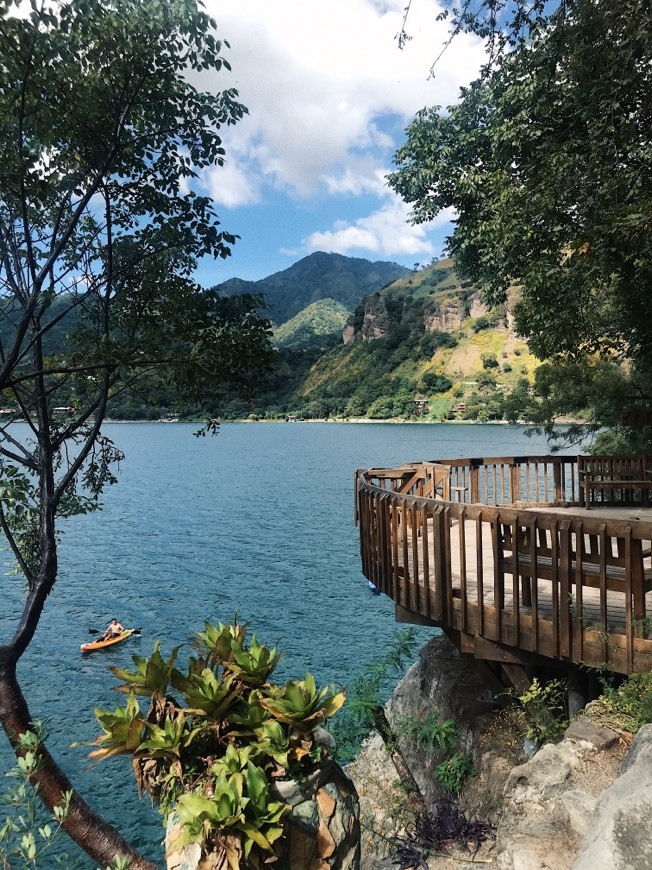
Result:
[
  {"x": 557, "y": 482},
  {"x": 438, "y": 547},
  {"x": 474, "y": 481},
  {"x": 515, "y": 482}
]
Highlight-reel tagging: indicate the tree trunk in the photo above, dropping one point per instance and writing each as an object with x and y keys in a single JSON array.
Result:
[
  {"x": 83, "y": 825},
  {"x": 390, "y": 740}
]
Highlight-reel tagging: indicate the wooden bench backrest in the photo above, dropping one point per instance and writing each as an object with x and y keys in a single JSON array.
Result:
[
  {"x": 614, "y": 467},
  {"x": 594, "y": 545}
]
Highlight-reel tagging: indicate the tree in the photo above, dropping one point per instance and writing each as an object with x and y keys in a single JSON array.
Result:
[
  {"x": 547, "y": 161},
  {"x": 103, "y": 132}
]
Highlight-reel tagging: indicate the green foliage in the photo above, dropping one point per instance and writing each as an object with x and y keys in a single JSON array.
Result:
[
  {"x": 240, "y": 804},
  {"x": 99, "y": 239},
  {"x": 440, "y": 737},
  {"x": 123, "y": 730},
  {"x": 489, "y": 361},
  {"x": 627, "y": 706},
  {"x": 151, "y": 676},
  {"x": 27, "y": 833},
  {"x": 454, "y": 770},
  {"x": 369, "y": 690},
  {"x": 552, "y": 185},
  {"x": 542, "y": 710},
  {"x": 301, "y": 705},
  {"x": 217, "y": 737},
  {"x": 431, "y": 733},
  {"x": 435, "y": 383},
  {"x": 121, "y": 862},
  {"x": 319, "y": 324}
]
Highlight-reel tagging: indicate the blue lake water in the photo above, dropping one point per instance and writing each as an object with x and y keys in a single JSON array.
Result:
[{"x": 257, "y": 520}]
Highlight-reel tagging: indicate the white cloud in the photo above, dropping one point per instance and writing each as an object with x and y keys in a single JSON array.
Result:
[
  {"x": 385, "y": 233},
  {"x": 317, "y": 77},
  {"x": 231, "y": 185}
]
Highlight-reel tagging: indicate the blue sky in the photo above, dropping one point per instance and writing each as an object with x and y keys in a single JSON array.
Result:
[{"x": 330, "y": 95}]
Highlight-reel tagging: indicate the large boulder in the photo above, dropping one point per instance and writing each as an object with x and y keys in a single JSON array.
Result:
[
  {"x": 549, "y": 801},
  {"x": 447, "y": 684},
  {"x": 620, "y": 836},
  {"x": 441, "y": 681}
]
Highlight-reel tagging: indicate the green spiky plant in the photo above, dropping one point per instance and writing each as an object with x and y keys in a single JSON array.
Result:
[{"x": 216, "y": 738}]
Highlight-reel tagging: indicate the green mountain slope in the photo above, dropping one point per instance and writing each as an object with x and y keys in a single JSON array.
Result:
[
  {"x": 318, "y": 325},
  {"x": 425, "y": 347},
  {"x": 319, "y": 276}
]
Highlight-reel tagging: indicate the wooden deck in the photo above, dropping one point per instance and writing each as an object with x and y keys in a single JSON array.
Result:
[{"x": 529, "y": 576}]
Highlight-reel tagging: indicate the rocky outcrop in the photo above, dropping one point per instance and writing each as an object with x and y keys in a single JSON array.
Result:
[
  {"x": 549, "y": 802},
  {"x": 620, "y": 835},
  {"x": 447, "y": 317},
  {"x": 440, "y": 681},
  {"x": 375, "y": 323},
  {"x": 581, "y": 804},
  {"x": 477, "y": 307}
]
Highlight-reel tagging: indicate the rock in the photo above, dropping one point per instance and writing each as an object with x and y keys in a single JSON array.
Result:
[
  {"x": 549, "y": 804},
  {"x": 578, "y": 806},
  {"x": 620, "y": 836},
  {"x": 543, "y": 775},
  {"x": 375, "y": 323},
  {"x": 186, "y": 858},
  {"x": 441, "y": 681},
  {"x": 598, "y": 736}
]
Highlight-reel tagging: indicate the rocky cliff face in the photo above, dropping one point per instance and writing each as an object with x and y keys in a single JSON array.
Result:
[
  {"x": 375, "y": 323},
  {"x": 582, "y": 804},
  {"x": 447, "y": 315}
]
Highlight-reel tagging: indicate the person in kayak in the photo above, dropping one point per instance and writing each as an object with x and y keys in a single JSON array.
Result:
[{"x": 114, "y": 630}]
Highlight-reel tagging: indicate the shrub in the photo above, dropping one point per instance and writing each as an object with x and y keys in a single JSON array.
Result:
[
  {"x": 489, "y": 361},
  {"x": 629, "y": 705},
  {"x": 542, "y": 710},
  {"x": 452, "y": 772},
  {"x": 216, "y": 737},
  {"x": 435, "y": 383}
]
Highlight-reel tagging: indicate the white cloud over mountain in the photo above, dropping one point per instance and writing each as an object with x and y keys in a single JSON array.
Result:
[{"x": 329, "y": 94}]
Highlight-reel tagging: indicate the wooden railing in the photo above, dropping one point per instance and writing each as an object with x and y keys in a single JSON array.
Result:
[{"x": 499, "y": 553}]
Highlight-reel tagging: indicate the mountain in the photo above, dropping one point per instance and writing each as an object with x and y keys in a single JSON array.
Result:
[
  {"x": 424, "y": 347},
  {"x": 319, "y": 276},
  {"x": 319, "y": 325}
]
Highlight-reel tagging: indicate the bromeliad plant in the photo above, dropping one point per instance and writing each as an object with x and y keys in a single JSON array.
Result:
[{"x": 216, "y": 738}]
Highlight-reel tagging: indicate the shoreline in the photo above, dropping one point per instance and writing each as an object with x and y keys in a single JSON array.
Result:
[{"x": 339, "y": 420}]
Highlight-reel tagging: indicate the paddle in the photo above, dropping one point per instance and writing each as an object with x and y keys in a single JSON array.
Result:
[{"x": 99, "y": 631}]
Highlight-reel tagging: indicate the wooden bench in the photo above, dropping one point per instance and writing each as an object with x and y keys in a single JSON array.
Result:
[
  {"x": 615, "y": 479},
  {"x": 535, "y": 552}
]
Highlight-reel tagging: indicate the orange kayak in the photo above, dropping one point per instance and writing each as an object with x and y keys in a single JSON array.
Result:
[{"x": 101, "y": 644}]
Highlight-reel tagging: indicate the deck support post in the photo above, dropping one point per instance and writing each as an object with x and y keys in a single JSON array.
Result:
[{"x": 577, "y": 694}]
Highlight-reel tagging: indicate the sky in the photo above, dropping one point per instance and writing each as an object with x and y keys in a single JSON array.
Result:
[{"x": 330, "y": 94}]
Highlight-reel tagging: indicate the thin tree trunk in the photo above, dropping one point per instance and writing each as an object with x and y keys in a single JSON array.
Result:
[
  {"x": 82, "y": 824},
  {"x": 390, "y": 740}
]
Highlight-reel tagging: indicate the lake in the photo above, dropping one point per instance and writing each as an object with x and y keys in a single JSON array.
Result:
[{"x": 258, "y": 520}]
